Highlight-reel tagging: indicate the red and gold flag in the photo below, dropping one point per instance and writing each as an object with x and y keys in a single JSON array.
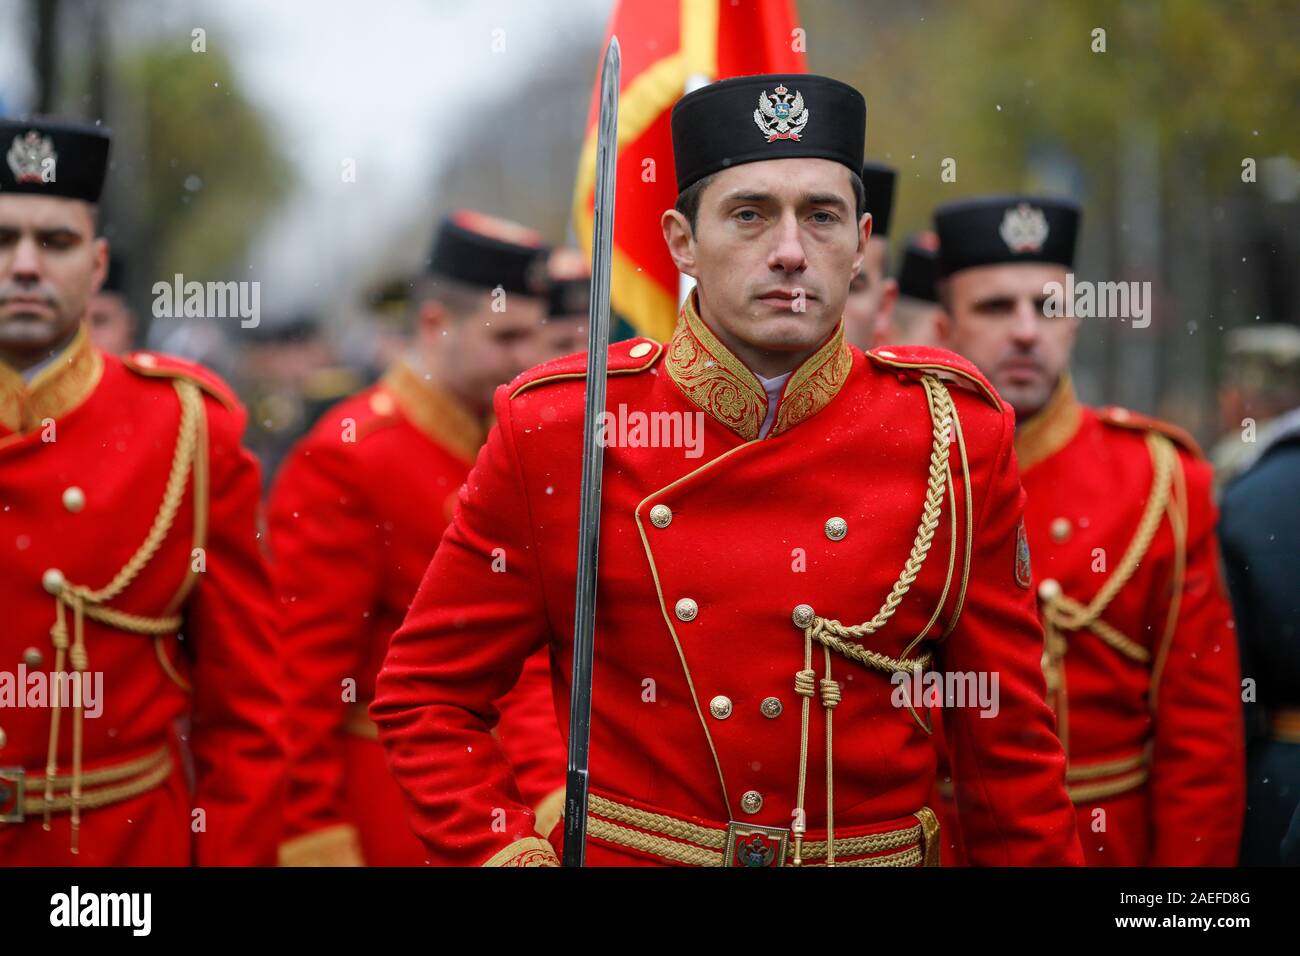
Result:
[{"x": 664, "y": 45}]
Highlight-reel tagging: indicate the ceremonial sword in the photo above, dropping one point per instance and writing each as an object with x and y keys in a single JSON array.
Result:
[{"x": 593, "y": 459}]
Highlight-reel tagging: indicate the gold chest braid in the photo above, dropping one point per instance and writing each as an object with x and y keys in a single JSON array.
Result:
[
  {"x": 843, "y": 639},
  {"x": 190, "y": 457},
  {"x": 1064, "y": 616}
]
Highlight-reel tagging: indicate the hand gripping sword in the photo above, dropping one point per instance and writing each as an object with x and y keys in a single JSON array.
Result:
[{"x": 593, "y": 458}]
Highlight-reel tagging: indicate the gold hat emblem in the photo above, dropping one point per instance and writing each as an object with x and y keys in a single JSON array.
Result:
[
  {"x": 782, "y": 116},
  {"x": 1024, "y": 229},
  {"x": 28, "y": 156}
]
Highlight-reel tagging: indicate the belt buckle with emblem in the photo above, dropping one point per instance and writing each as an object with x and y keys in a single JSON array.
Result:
[
  {"x": 751, "y": 845},
  {"x": 13, "y": 790}
]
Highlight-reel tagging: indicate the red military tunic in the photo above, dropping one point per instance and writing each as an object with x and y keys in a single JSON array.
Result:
[
  {"x": 723, "y": 565},
  {"x": 130, "y": 554},
  {"x": 1142, "y": 661},
  {"x": 355, "y": 516}
]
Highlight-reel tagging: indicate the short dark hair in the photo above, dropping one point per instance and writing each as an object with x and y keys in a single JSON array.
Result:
[
  {"x": 688, "y": 200},
  {"x": 458, "y": 298}
]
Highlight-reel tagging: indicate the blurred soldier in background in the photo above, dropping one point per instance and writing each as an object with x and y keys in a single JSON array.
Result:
[
  {"x": 565, "y": 329},
  {"x": 129, "y": 518},
  {"x": 1261, "y": 386},
  {"x": 110, "y": 320},
  {"x": 1140, "y": 654},
  {"x": 356, "y": 515},
  {"x": 871, "y": 292},
  {"x": 289, "y": 376},
  {"x": 917, "y": 314},
  {"x": 1259, "y": 528}
]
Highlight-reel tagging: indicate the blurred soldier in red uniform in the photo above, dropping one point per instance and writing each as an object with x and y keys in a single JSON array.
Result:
[
  {"x": 915, "y": 317},
  {"x": 868, "y": 311},
  {"x": 790, "y": 531},
  {"x": 129, "y": 562},
  {"x": 356, "y": 514},
  {"x": 1141, "y": 658}
]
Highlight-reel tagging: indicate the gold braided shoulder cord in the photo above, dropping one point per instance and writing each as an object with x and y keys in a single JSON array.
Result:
[
  {"x": 86, "y": 602},
  {"x": 1178, "y": 520},
  {"x": 841, "y": 638},
  {"x": 1062, "y": 614}
]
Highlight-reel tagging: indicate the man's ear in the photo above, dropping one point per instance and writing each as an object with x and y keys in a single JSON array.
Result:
[
  {"x": 100, "y": 272},
  {"x": 885, "y": 312},
  {"x": 432, "y": 319},
  {"x": 864, "y": 233},
  {"x": 680, "y": 241},
  {"x": 943, "y": 327}
]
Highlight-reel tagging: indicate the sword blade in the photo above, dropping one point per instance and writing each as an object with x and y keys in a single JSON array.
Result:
[{"x": 593, "y": 459}]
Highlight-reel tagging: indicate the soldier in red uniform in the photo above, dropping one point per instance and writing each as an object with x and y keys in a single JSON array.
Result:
[
  {"x": 129, "y": 562},
  {"x": 1141, "y": 657},
  {"x": 355, "y": 516},
  {"x": 790, "y": 530}
]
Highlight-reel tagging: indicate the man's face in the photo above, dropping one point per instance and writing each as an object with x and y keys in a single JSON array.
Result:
[
  {"x": 112, "y": 326},
  {"x": 867, "y": 293},
  {"x": 485, "y": 349},
  {"x": 560, "y": 336},
  {"x": 50, "y": 264},
  {"x": 995, "y": 318},
  {"x": 775, "y": 246}
]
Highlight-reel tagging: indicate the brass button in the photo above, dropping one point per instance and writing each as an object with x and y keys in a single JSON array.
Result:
[
  {"x": 720, "y": 707},
  {"x": 33, "y": 657},
  {"x": 661, "y": 516},
  {"x": 771, "y": 707},
  {"x": 1061, "y": 529},
  {"x": 836, "y": 528},
  {"x": 751, "y": 801},
  {"x": 1049, "y": 589},
  {"x": 687, "y": 609},
  {"x": 803, "y": 615},
  {"x": 640, "y": 349},
  {"x": 53, "y": 580},
  {"x": 74, "y": 499}
]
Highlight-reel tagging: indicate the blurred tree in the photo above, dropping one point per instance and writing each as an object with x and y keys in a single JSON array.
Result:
[
  {"x": 204, "y": 171},
  {"x": 1150, "y": 134}
]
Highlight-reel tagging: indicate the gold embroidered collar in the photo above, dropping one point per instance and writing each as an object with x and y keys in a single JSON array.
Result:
[
  {"x": 711, "y": 376},
  {"x": 434, "y": 411},
  {"x": 56, "y": 390},
  {"x": 1044, "y": 434}
]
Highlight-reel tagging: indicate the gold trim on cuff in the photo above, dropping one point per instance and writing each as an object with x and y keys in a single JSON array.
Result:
[
  {"x": 530, "y": 851},
  {"x": 549, "y": 810},
  {"x": 337, "y": 845}
]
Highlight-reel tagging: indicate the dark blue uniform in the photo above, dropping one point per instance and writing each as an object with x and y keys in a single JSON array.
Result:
[{"x": 1259, "y": 529}]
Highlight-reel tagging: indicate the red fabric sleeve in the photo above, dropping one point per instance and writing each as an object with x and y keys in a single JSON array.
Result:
[
  {"x": 1198, "y": 764},
  {"x": 462, "y": 646},
  {"x": 326, "y": 566},
  {"x": 1008, "y": 770},
  {"x": 229, "y": 623}
]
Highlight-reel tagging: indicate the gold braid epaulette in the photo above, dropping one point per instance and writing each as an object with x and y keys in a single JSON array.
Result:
[{"x": 84, "y": 602}]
